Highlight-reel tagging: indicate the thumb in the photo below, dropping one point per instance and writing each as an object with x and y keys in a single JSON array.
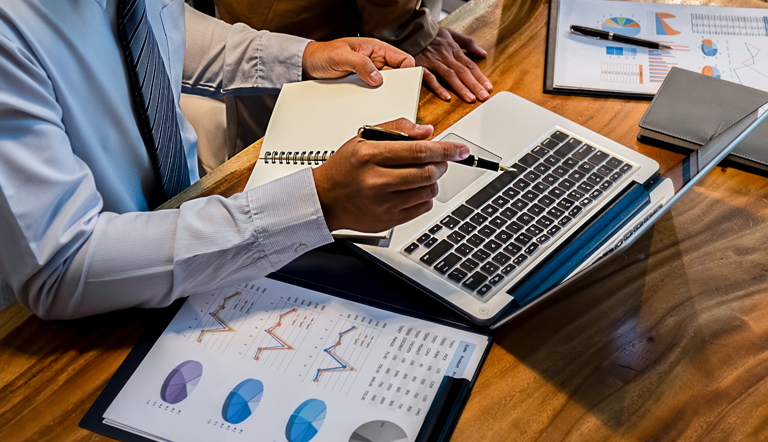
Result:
[{"x": 364, "y": 67}]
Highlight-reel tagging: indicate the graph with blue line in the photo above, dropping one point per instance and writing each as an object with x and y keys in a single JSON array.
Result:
[{"x": 342, "y": 348}]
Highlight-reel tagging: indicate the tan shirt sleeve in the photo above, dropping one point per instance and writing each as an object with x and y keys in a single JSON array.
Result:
[{"x": 407, "y": 24}]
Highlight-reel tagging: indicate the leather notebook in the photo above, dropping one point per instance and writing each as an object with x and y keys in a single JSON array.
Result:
[{"x": 691, "y": 108}]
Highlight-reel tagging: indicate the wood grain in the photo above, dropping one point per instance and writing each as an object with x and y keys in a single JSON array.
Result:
[{"x": 667, "y": 343}]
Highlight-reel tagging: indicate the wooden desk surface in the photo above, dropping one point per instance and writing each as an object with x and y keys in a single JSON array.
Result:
[{"x": 668, "y": 343}]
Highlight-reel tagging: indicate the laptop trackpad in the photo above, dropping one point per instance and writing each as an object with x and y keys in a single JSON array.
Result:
[{"x": 458, "y": 177}]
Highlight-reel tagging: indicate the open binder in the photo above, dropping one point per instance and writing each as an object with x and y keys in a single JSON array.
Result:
[{"x": 332, "y": 270}]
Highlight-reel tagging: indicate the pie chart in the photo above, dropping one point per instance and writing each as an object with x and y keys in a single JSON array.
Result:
[
  {"x": 181, "y": 381},
  {"x": 306, "y": 420},
  {"x": 711, "y": 71},
  {"x": 379, "y": 431},
  {"x": 709, "y": 48},
  {"x": 242, "y": 401},
  {"x": 622, "y": 25}
]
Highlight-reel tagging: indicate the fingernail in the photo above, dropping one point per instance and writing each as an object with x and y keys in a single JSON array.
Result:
[
  {"x": 446, "y": 96},
  {"x": 483, "y": 95},
  {"x": 375, "y": 76},
  {"x": 471, "y": 98},
  {"x": 463, "y": 152},
  {"x": 488, "y": 86},
  {"x": 427, "y": 127}
]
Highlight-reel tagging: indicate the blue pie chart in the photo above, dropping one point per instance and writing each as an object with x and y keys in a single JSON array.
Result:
[
  {"x": 306, "y": 421},
  {"x": 709, "y": 48},
  {"x": 242, "y": 401}
]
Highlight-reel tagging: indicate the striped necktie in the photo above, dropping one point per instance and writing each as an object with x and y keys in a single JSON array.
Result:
[{"x": 153, "y": 97}]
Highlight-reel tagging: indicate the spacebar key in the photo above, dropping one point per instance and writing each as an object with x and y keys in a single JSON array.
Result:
[{"x": 436, "y": 252}]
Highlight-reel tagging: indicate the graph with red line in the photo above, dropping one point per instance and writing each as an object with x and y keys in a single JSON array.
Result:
[
  {"x": 281, "y": 331},
  {"x": 344, "y": 347},
  {"x": 341, "y": 365},
  {"x": 221, "y": 326},
  {"x": 273, "y": 333}
]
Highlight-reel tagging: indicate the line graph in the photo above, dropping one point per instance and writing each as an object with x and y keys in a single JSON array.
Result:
[
  {"x": 223, "y": 326},
  {"x": 331, "y": 351},
  {"x": 749, "y": 65},
  {"x": 272, "y": 332},
  {"x": 342, "y": 349}
]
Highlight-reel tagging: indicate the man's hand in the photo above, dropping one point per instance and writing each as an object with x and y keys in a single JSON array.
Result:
[
  {"x": 445, "y": 58},
  {"x": 372, "y": 186},
  {"x": 363, "y": 56}
]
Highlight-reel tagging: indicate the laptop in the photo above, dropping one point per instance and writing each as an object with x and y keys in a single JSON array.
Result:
[{"x": 495, "y": 244}]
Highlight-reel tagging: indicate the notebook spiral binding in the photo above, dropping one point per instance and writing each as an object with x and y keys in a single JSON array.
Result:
[{"x": 311, "y": 157}]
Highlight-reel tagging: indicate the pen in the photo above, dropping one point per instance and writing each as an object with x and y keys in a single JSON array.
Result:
[
  {"x": 375, "y": 133},
  {"x": 618, "y": 38}
]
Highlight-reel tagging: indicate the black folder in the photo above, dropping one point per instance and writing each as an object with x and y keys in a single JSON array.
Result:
[{"x": 333, "y": 270}]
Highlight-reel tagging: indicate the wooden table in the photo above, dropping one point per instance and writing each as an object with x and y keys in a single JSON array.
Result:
[{"x": 670, "y": 342}]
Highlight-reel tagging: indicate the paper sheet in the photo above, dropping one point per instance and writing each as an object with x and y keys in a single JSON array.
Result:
[
  {"x": 269, "y": 361},
  {"x": 727, "y": 43}
]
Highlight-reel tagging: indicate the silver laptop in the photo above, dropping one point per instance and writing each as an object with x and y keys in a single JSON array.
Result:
[{"x": 496, "y": 244}]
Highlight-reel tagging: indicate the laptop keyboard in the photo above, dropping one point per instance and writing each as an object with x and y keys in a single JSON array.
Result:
[{"x": 495, "y": 234}]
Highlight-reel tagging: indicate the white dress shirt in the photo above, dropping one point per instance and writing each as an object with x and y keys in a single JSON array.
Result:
[{"x": 76, "y": 236}]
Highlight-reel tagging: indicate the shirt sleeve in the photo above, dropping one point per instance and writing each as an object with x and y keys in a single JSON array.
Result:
[
  {"x": 407, "y": 24},
  {"x": 64, "y": 257},
  {"x": 222, "y": 59}
]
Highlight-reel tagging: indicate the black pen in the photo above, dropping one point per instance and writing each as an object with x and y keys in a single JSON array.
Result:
[
  {"x": 618, "y": 38},
  {"x": 375, "y": 133}
]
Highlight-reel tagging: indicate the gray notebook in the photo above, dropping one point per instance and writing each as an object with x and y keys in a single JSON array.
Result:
[{"x": 691, "y": 108}]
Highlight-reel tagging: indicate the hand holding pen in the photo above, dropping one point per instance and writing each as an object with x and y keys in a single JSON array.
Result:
[{"x": 372, "y": 186}]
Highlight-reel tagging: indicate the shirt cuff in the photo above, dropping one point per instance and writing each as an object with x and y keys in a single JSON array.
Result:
[
  {"x": 281, "y": 57},
  {"x": 287, "y": 217}
]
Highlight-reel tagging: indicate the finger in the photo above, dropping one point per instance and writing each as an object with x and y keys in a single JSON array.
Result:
[
  {"x": 412, "y": 177},
  {"x": 413, "y": 130},
  {"x": 450, "y": 76},
  {"x": 403, "y": 153},
  {"x": 465, "y": 69},
  {"x": 434, "y": 85},
  {"x": 412, "y": 212},
  {"x": 381, "y": 54},
  {"x": 362, "y": 66},
  {"x": 412, "y": 197},
  {"x": 467, "y": 44}
]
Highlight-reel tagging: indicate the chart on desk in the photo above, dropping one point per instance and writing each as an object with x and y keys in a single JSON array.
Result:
[
  {"x": 726, "y": 43},
  {"x": 270, "y": 361}
]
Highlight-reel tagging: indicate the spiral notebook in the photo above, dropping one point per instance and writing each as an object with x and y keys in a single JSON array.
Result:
[{"x": 314, "y": 118}]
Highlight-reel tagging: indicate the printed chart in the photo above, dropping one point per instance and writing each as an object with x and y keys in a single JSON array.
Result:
[
  {"x": 379, "y": 431},
  {"x": 622, "y": 25},
  {"x": 287, "y": 327},
  {"x": 306, "y": 421},
  {"x": 290, "y": 364},
  {"x": 181, "y": 381},
  {"x": 409, "y": 374},
  {"x": 242, "y": 401},
  {"x": 344, "y": 349},
  {"x": 731, "y": 44},
  {"x": 227, "y": 313},
  {"x": 708, "y": 48}
]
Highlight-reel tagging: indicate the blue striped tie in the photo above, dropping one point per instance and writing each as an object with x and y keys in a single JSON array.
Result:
[{"x": 153, "y": 97}]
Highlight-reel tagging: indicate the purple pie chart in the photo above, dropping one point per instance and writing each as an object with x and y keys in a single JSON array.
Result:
[{"x": 181, "y": 381}]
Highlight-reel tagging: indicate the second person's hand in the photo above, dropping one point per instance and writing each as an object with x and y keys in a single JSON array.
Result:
[
  {"x": 362, "y": 56},
  {"x": 372, "y": 186}
]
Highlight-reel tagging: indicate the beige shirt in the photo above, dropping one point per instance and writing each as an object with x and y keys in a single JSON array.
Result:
[{"x": 408, "y": 24}]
